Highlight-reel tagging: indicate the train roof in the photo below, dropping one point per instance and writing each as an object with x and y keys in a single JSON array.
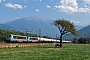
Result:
[{"x": 16, "y": 35}]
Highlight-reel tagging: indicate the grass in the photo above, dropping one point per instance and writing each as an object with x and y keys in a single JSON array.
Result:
[{"x": 47, "y": 52}]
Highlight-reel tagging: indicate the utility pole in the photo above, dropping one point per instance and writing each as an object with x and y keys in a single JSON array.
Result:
[
  {"x": 39, "y": 32},
  {"x": 56, "y": 38},
  {"x": 39, "y": 35},
  {"x": 27, "y": 33}
]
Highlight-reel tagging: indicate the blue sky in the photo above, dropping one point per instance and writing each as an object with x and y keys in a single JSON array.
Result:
[{"x": 77, "y": 11}]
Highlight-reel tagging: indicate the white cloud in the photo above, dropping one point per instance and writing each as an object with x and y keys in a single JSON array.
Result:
[
  {"x": 48, "y": 6},
  {"x": 33, "y": 0},
  {"x": 51, "y": 0},
  {"x": 1, "y": 1},
  {"x": 15, "y": 6},
  {"x": 83, "y": 10},
  {"x": 40, "y": 0},
  {"x": 37, "y": 0},
  {"x": 70, "y": 6},
  {"x": 25, "y": 6},
  {"x": 76, "y": 22},
  {"x": 87, "y": 2},
  {"x": 37, "y": 10}
]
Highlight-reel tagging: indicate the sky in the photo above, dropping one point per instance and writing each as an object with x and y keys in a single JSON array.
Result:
[{"x": 77, "y": 11}]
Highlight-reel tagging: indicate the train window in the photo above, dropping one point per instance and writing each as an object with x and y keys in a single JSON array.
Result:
[
  {"x": 21, "y": 37},
  {"x": 8, "y": 36},
  {"x": 33, "y": 38}
]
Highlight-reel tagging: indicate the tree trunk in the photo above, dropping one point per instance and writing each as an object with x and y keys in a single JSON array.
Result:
[{"x": 61, "y": 40}]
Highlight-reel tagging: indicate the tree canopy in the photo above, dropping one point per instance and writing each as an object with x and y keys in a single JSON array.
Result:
[{"x": 65, "y": 26}]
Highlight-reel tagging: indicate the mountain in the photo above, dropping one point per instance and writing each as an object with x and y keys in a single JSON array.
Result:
[
  {"x": 33, "y": 24},
  {"x": 78, "y": 27},
  {"x": 84, "y": 32}
]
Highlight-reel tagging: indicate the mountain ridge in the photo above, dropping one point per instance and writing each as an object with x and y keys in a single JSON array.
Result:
[{"x": 34, "y": 23}]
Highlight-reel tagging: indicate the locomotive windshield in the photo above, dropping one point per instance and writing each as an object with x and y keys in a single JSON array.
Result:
[{"x": 8, "y": 36}]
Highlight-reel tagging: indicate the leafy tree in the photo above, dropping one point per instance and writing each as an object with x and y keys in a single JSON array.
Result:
[
  {"x": 64, "y": 26},
  {"x": 86, "y": 40},
  {"x": 83, "y": 40},
  {"x": 75, "y": 41}
]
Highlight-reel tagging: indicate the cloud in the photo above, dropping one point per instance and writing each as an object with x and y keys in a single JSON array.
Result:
[
  {"x": 83, "y": 10},
  {"x": 25, "y": 6},
  {"x": 70, "y": 6},
  {"x": 67, "y": 6},
  {"x": 37, "y": 0},
  {"x": 87, "y": 2},
  {"x": 37, "y": 10},
  {"x": 76, "y": 22},
  {"x": 15, "y": 6},
  {"x": 51, "y": 0},
  {"x": 40, "y": 0},
  {"x": 48, "y": 6},
  {"x": 1, "y": 1},
  {"x": 34, "y": 0}
]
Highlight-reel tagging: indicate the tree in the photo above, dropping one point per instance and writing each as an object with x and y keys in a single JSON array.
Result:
[
  {"x": 64, "y": 26},
  {"x": 83, "y": 40},
  {"x": 75, "y": 41}
]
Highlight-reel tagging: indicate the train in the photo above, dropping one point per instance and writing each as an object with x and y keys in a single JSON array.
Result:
[{"x": 20, "y": 38}]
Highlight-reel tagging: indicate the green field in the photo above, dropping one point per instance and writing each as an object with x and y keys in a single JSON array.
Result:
[{"x": 47, "y": 52}]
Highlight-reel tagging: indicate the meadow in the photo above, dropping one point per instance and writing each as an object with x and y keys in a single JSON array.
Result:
[{"x": 47, "y": 52}]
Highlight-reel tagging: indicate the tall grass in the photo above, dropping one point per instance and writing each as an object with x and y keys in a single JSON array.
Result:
[{"x": 47, "y": 52}]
